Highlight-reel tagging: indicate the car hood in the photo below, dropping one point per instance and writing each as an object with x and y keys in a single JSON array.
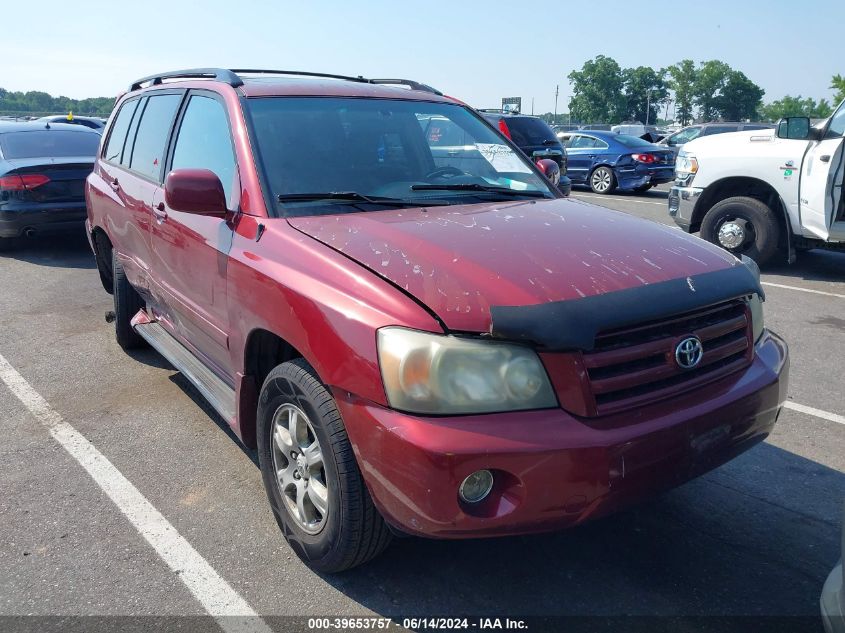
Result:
[{"x": 461, "y": 260}]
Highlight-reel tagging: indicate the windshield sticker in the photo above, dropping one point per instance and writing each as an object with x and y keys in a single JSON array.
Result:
[{"x": 502, "y": 158}]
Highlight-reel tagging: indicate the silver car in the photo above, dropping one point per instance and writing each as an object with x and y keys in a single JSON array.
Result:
[{"x": 833, "y": 596}]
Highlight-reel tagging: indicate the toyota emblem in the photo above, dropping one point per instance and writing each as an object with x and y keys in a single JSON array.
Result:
[{"x": 689, "y": 352}]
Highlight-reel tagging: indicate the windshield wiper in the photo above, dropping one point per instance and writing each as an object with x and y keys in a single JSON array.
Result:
[
  {"x": 474, "y": 186},
  {"x": 354, "y": 196}
]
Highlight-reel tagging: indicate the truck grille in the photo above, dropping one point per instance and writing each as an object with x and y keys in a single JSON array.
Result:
[{"x": 634, "y": 365}]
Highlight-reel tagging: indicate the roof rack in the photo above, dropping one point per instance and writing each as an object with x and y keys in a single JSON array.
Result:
[
  {"x": 220, "y": 74},
  {"x": 259, "y": 71},
  {"x": 413, "y": 85},
  {"x": 231, "y": 77}
]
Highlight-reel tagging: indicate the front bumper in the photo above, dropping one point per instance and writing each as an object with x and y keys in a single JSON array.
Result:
[
  {"x": 553, "y": 469},
  {"x": 41, "y": 219},
  {"x": 682, "y": 201}
]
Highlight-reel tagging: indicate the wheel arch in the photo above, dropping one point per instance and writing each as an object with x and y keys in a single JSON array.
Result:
[
  {"x": 747, "y": 186},
  {"x": 263, "y": 351},
  {"x": 102, "y": 246}
]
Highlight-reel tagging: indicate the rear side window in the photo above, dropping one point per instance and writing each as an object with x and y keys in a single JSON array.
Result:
[
  {"x": 49, "y": 143},
  {"x": 204, "y": 141},
  {"x": 586, "y": 142},
  {"x": 719, "y": 129},
  {"x": 528, "y": 131},
  {"x": 117, "y": 136},
  {"x": 148, "y": 152}
]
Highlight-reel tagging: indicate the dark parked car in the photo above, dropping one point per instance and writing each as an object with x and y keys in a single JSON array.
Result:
[
  {"x": 534, "y": 137},
  {"x": 415, "y": 347},
  {"x": 42, "y": 176},
  {"x": 676, "y": 141},
  {"x": 606, "y": 161},
  {"x": 94, "y": 123}
]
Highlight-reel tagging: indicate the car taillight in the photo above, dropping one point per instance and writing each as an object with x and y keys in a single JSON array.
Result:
[
  {"x": 503, "y": 128},
  {"x": 644, "y": 158},
  {"x": 22, "y": 182}
]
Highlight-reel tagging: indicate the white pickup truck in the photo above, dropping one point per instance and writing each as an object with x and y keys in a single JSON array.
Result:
[{"x": 757, "y": 193}]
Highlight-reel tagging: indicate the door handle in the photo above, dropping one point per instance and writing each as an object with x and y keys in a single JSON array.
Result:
[
  {"x": 160, "y": 212},
  {"x": 825, "y": 158},
  {"x": 114, "y": 184}
]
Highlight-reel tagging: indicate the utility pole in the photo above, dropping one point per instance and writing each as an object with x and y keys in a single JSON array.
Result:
[
  {"x": 647, "y": 105},
  {"x": 532, "y": 106},
  {"x": 557, "y": 89}
]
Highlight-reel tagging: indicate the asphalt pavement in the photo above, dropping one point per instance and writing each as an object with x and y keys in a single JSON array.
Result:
[{"x": 756, "y": 537}]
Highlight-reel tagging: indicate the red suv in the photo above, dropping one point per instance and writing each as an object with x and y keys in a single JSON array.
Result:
[{"x": 422, "y": 342}]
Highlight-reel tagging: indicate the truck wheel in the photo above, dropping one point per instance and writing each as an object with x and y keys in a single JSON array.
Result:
[
  {"x": 743, "y": 226},
  {"x": 602, "y": 180},
  {"x": 312, "y": 480},
  {"x": 127, "y": 302}
]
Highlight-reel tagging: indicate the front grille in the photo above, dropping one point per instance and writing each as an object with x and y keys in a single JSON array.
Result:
[{"x": 635, "y": 365}]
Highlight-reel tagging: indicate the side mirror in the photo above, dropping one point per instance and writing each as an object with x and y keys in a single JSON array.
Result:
[
  {"x": 795, "y": 128},
  {"x": 197, "y": 191},
  {"x": 550, "y": 169}
]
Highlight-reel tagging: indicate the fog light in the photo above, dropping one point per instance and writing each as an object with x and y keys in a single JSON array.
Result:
[{"x": 477, "y": 486}]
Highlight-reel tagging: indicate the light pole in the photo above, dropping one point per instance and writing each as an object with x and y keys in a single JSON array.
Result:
[
  {"x": 557, "y": 89},
  {"x": 647, "y": 104}
]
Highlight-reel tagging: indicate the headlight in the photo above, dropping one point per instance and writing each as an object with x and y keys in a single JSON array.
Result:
[
  {"x": 686, "y": 167},
  {"x": 436, "y": 374}
]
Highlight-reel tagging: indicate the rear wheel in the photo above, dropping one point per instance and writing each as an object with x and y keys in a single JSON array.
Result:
[
  {"x": 743, "y": 226},
  {"x": 602, "y": 180},
  {"x": 313, "y": 482},
  {"x": 127, "y": 302}
]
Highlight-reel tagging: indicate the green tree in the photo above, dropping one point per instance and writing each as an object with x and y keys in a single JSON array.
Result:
[
  {"x": 645, "y": 89},
  {"x": 682, "y": 81},
  {"x": 795, "y": 106},
  {"x": 838, "y": 84},
  {"x": 597, "y": 91},
  {"x": 739, "y": 98},
  {"x": 710, "y": 79}
]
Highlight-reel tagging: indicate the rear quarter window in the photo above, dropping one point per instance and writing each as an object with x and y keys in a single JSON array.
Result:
[{"x": 117, "y": 135}]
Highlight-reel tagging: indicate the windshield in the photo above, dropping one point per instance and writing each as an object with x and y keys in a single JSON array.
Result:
[
  {"x": 631, "y": 141},
  {"x": 43, "y": 143},
  {"x": 383, "y": 150}
]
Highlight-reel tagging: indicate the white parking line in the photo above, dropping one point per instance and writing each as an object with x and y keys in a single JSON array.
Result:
[
  {"x": 217, "y": 597},
  {"x": 815, "y": 292},
  {"x": 608, "y": 198},
  {"x": 830, "y": 417}
]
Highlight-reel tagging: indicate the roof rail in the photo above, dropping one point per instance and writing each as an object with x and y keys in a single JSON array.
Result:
[
  {"x": 231, "y": 77},
  {"x": 260, "y": 71},
  {"x": 413, "y": 85},
  {"x": 220, "y": 74}
]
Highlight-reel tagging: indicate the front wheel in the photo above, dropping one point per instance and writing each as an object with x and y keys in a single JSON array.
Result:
[
  {"x": 312, "y": 480},
  {"x": 602, "y": 180},
  {"x": 743, "y": 226}
]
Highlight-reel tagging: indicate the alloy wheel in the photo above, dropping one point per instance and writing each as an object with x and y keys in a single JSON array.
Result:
[
  {"x": 299, "y": 467},
  {"x": 601, "y": 180}
]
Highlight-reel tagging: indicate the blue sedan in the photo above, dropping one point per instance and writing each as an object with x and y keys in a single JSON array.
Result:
[{"x": 606, "y": 161}]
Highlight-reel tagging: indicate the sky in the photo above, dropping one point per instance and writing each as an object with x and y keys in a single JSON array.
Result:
[{"x": 476, "y": 51}]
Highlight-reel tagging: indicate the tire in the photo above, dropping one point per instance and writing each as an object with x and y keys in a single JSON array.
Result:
[
  {"x": 743, "y": 226},
  {"x": 602, "y": 180},
  {"x": 348, "y": 530},
  {"x": 127, "y": 302}
]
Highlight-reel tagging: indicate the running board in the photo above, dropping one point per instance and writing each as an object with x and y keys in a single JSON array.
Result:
[{"x": 219, "y": 395}]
